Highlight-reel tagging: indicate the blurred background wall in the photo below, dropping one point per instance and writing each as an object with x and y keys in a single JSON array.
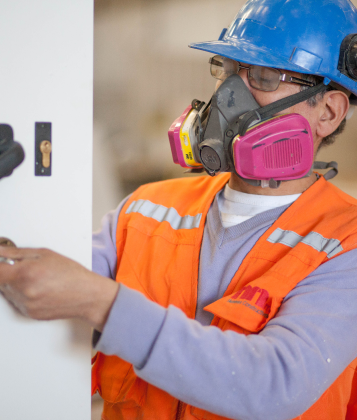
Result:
[{"x": 145, "y": 76}]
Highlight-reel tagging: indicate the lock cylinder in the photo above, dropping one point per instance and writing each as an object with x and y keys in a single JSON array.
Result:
[{"x": 46, "y": 149}]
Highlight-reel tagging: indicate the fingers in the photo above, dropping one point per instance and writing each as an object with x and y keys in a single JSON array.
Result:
[
  {"x": 14, "y": 262},
  {"x": 20, "y": 253},
  {"x": 12, "y": 296},
  {"x": 8, "y": 271},
  {"x": 19, "y": 282}
]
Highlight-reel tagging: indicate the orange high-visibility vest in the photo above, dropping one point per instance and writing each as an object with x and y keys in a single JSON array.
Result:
[{"x": 159, "y": 237}]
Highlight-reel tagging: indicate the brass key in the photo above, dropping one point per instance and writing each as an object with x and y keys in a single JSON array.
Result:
[{"x": 46, "y": 148}]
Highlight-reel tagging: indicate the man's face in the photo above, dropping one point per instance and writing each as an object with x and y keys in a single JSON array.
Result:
[{"x": 312, "y": 114}]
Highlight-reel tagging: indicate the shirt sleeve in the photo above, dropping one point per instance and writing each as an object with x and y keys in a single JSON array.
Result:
[
  {"x": 276, "y": 374},
  {"x": 104, "y": 252}
]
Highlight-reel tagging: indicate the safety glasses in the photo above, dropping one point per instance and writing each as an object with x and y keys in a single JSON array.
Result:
[{"x": 261, "y": 78}]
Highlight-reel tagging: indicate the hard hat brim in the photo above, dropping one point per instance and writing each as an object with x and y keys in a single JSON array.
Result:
[{"x": 246, "y": 52}]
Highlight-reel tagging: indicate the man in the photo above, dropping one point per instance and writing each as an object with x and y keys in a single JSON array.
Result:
[{"x": 231, "y": 300}]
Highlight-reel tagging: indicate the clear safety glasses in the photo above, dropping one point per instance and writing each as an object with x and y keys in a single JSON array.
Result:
[{"x": 261, "y": 78}]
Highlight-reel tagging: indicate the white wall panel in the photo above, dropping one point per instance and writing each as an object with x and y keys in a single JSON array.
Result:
[{"x": 46, "y": 75}]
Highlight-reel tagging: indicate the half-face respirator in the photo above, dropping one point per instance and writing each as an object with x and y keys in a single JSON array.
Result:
[{"x": 234, "y": 134}]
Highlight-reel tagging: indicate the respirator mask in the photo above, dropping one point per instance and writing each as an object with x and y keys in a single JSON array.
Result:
[{"x": 234, "y": 134}]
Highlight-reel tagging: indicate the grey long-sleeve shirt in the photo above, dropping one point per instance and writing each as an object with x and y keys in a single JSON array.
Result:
[{"x": 276, "y": 374}]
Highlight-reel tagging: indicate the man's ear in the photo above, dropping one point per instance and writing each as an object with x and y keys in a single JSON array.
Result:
[{"x": 334, "y": 107}]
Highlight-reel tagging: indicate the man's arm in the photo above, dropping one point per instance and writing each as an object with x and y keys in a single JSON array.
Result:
[
  {"x": 92, "y": 294},
  {"x": 278, "y": 373}
]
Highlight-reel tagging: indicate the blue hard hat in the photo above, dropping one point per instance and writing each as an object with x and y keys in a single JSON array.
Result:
[{"x": 306, "y": 36}]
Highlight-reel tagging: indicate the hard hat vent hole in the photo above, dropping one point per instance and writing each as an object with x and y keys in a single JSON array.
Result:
[{"x": 284, "y": 153}]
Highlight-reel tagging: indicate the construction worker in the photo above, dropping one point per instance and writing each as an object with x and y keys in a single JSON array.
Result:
[{"x": 235, "y": 293}]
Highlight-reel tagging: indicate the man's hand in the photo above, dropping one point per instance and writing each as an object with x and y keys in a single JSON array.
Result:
[{"x": 44, "y": 285}]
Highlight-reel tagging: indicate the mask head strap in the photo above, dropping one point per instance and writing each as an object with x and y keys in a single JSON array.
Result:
[
  {"x": 269, "y": 110},
  {"x": 325, "y": 165}
]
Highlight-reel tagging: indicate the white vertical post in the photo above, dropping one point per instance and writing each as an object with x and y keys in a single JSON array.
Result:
[{"x": 46, "y": 75}]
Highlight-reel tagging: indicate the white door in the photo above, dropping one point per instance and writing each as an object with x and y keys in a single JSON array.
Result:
[{"x": 46, "y": 53}]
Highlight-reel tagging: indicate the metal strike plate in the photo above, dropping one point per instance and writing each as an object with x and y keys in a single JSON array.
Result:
[{"x": 43, "y": 149}]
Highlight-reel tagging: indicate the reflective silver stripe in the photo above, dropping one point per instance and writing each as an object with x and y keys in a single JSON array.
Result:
[
  {"x": 313, "y": 239},
  {"x": 317, "y": 241},
  {"x": 285, "y": 237},
  {"x": 162, "y": 213}
]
